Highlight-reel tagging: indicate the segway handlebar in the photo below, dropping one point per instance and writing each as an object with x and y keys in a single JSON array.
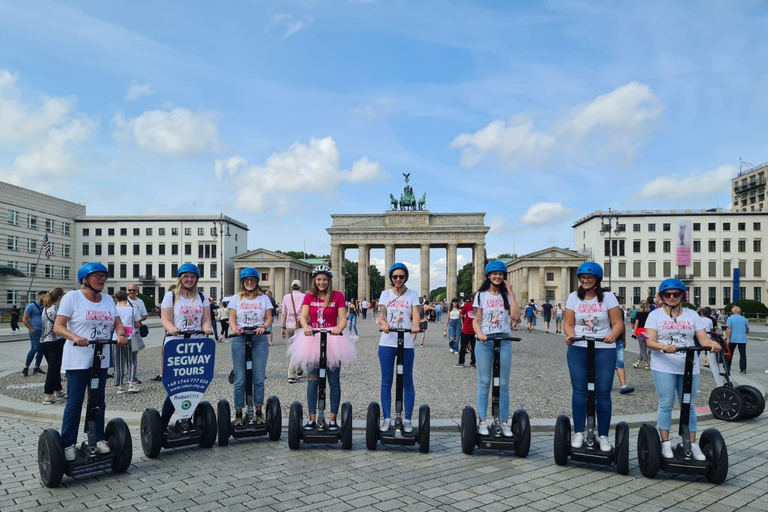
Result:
[
  {"x": 400, "y": 329},
  {"x": 502, "y": 337},
  {"x": 247, "y": 330},
  {"x": 185, "y": 333},
  {"x": 589, "y": 338},
  {"x": 691, "y": 349},
  {"x": 102, "y": 342}
]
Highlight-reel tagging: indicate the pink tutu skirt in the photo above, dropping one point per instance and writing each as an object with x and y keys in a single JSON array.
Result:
[{"x": 304, "y": 351}]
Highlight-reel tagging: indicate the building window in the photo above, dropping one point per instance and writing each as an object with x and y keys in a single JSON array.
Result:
[
  {"x": 742, "y": 291},
  {"x": 201, "y": 267},
  {"x": 726, "y": 226},
  {"x": 726, "y": 294},
  {"x": 651, "y": 269},
  {"x": 148, "y": 270},
  {"x": 712, "y": 269},
  {"x": 86, "y": 232},
  {"x": 50, "y": 225},
  {"x": 742, "y": 226},
  {"x": 200, "y": 231},
  {"x": 32, "y": 269},
  {"x": 756, "y": 291},
  {"x": 697, "y": 226},
  {"x": 32, "y": 222},
  {"x": 214, "y": 293},
  {"x": 666, "y": 246},
  {"x": 148, "y": 248},
  {"x": 98, "y": 231},
  {"x": 651, "y": 227},
  {"x": 756, "y": 245},
  {"x": 161, "y": 231},
  {"x": 755, "y": 226},
  {"x": 697, "y": 246},
  {"x": 65, "y": 272},
  {"x": 65, "y": 227},
  {"x": 31, "y": 245},
  {"x": 174, "y": 231},
  {"x": 136, "y": 270},
  {"x": 188, "y": 249},
  {"x": 13, "y": 243},
  {"x": 622, "y": 269},
  {"x": 696, "y": 269},
  {"x": 174, "y": 269},
  {"x": 187, "y": 231},
  {"x": 636, "y": 246},
  {"x": 726, "y": 246},
  {"x": 213, "y": 232},
  {"x": 149, "y": 231},
  {"x": 123, "y": 271},
  {"x": 123, "y": 249},
  {"x": 97, "y": 249},
  {"x": 651, "y": 245},
  {"x": 111, "y": 231},
  {"x": 712, "y": 246},
  {"x": 636, "y": 294},
  {"x": 666, "y": 268},
  {"x": 743, "y": 269},
  {"x": 726, "y": 269},
  {"x": 712, "y": 295},
  {"x": 86, "y": 249},
  {"x": 111, "y": 249},
  {"x": 161, "y": 270},
  {"x": 697, "y": 294},
  {"x": 174, "y": 249},
  {"x": 757, "y": 269},
  {"x": 13, "y": 219},
  {"x": 11, "y": 297},
  {"x": 123, "y": 231},
  {"x": 136, "y": 231},
  {"x": 161, "y": 249},
  {"x": 550, "y": 275},
  {"x": 666, "y": 227},
  {"x": 136, "y": 249},
  {"x": 65, "y": 251},
  {"x": 49, "y": 271},
  {"x": 742, "y": 246},
  {"x": 215, "y": 272},
  {"x": 622, "y": 294},
  {"x": 110, "y": 269},
  {"x": 635, "y": 269}
]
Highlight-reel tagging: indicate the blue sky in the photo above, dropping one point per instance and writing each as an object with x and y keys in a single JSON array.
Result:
[{"x": 282, "y": 113}]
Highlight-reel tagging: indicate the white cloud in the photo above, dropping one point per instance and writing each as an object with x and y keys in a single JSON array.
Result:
[
  {"x": 290, "y": 24},
  {"x": 700, "y": 186},
  {"x": 136, "y": 91},
  {"x": 284, "y": 177},
  {"x": 377, "y": 107},
  {"x": 616, "y": 123},
  {"x": 178, "y": 132},
  {"x": 545, "y": 213}
]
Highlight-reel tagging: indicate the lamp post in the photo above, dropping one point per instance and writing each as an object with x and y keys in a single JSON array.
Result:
[
  {"x": 220, "y": 223},
  {"x": 609, "y": 223}
]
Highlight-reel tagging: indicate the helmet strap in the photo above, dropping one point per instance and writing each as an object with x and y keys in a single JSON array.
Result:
[{"x": 87, "y": 285}]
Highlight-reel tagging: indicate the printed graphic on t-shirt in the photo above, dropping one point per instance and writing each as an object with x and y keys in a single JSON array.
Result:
[
  {"x": 677, "y": 338},
  {"x": 586, "y": 316},
  {"x": 102, "y": 323},
  {"x": 494, "y": 313}
]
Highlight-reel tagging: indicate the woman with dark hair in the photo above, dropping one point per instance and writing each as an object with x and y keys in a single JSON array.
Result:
[
  {"x": 592, "y": 311},
  {"x": 638, "y": 328},
  {"x": 53, "y": 347},
  {"x": 453, "y": 326},
  {"x": 494, "y": 306}
]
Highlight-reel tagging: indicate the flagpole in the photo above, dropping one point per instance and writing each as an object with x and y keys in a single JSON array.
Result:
[{"x": 40, "y": 253}]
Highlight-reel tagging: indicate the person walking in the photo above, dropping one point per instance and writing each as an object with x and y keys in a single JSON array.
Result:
[
  {"x": 214, "y": 311},
  {"x": 290, "y": 321},
  {"x": 15, "y": 315},
  {"x": 467, "y": 334},
  {"x": 638, "y": 328},
  {"x": 546, "y": 312},
  {"x": 737, "y": 328},
  {"x": 352, "y": 319},
  {"x": 559, "y": 318},
  {"x": 125, "y": 370},
  {"x": 53, "y": 348},
  {"x": 141, "y": 315},
  {"x": 223, "y": 315},
  {"x": 423, "y": 322},
  {"x": 453, "y": 327},
  {"x": 530, "y": 315},
  {"x": 438, "y": 311},
  {"x": 33, "y": 320}
]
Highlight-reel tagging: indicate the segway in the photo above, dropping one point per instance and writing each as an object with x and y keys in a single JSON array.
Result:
[
  {"x": 272, "y": 426},
  {"x": 320, "y": 434},
  {"x": 396, "y": 435},
  {"x": 187, "y": 372},
  {"x": 520, "y": 442},
  {"x": 711, "y": 442},
  {"x": 728, "y": 402},
  {"x": 590, "y": 451},
  {"x": 50, "y": 449}
]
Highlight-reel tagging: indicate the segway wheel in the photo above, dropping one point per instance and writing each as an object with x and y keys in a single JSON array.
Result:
[
  {"x": 50, "y": 457},
  {"x": 118, "y": 437},
  {"x": 521, "y": 428},
  {"x": 294, "y": 425},
  {"x": 468, "y": 430},
  {"x": 274, "y": 418},
  {"x": 346, "y": 426},
  {"x": 726, "y": 403},
  {"x": 372, "y": 426},
  {"x": 713, "y": 446},
  {"x": 562, "y": 439},
  {"x": 224, "y": 415},
  {"x": 424, "y": 428},
  {"x": 622, "y": 448},
  {"x": 648, "y": 450},
  {"x": 151, "y": 433},
  {"x": 754, "y": 402},
  {"x": 205, "y": 419}
]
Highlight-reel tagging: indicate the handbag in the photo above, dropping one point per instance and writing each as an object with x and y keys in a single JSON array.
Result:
[
  {"x": 143, "y": 331},
  {"x": 136, "y": 342}
]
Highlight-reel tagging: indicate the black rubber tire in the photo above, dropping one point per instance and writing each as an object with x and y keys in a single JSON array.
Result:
[
  {"x": 346, "y": 426},
  {"x": 151, "y": 433},
  {"x": 521, "y": 428},
  {"x": 726, "y": 403},
  {"x": 118, "y": 437},
  {"x": 274, "y": 418},
  {"x": 649, "y": 450},
  {"x": 468, "y": 430},
  {"x": 562, "y": 439},
  {"x": 205, "y": 419},
  {"x": 224, "y": 415},
  {"x": 50, "y": 457},
  {"x": 713, "y": 446},
  {"x": 622, "y": 448},
  {"x": 754, "y": 402},
  {"x": 424, "y": 428},
  {"x": 372, "y": 426},
  {"x": 294, "y": 425}
]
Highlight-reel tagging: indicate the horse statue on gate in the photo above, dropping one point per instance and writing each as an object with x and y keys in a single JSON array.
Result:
[
  {"x": 393, "y": 202},
  {"x": 423, "y": 201}
]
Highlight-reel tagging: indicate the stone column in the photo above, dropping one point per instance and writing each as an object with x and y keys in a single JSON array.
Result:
[
  {"x": 451, "y": 279},
  {"x": 272, "y": 281},
  {"x": 566, "y": 284},
  {"x": 389, "y": 260},
  {"x": 362, "y": 272},
  {"x": 478, "y": 260},
  {"x": 341, "y": 280},
  {"x": 542, "y": 289},
  {"x": 524, "y": 287},
  {"x": 286, "y": 281},
  {"x": 424, "y": 270}
]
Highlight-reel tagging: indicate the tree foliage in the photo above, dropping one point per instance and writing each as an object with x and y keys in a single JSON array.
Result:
[
  {"x": 376, "y": 280},
  {"x": 299, "y": 255},
  {"x": 748, "y": 307}
]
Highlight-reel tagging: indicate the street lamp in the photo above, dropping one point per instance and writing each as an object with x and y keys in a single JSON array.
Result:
[
  {"x": 609, "y": 224},
  {"x": 220, "y": 223}
]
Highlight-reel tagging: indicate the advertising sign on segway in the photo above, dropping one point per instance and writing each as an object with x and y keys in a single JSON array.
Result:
[{"x": 187, "y": 372}]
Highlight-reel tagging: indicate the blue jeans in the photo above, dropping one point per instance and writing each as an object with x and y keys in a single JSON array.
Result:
[
  {"x": 484, "y": 356},
  {"x": 259, "y": 354},
  {"x": 438, "y": 315},
  {"x": 605, "y": 364},
  {"x": 667, "y": 384},
  {"x": 353, "y": 323},
  {"x": 454, "y": 333},
  {"x": 619, "y": 355},
  {"x": 34, "y": 339},
  {"x": 78, "y": 382},
  {"x": 332, "y": 381},
  {"x": 387, "y": 360}
]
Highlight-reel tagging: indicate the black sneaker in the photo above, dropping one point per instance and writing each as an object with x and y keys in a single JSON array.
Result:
[
  {"x": 110, "y": 376},
  {"x": 156, "y": 379},
  {"x": 259, "y": 419},
  {"x": 238, "y": 419},
  {"x": 137, "y": 381},
  {"x": 333, "y": 426},
  {"x": 310, "y": 425},
  {"x": 25, "y": 372},
  {"x": 39, "y": 371}
]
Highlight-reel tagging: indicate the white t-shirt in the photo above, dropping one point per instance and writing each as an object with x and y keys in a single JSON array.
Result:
[
  {"x": 495, "y": 319},
  {"x": 90, "y": 320},
  {"x": 141, "y": 308},
  {"x": 399, "y": 309},
  {"x": 250, "y": 312},
  {"x": 592, "y": 317},
  {"x": 679, "y": 332},
  {"x": 128, "y": 315},
  {"x": 291, "y": 316},
  {"x": 187, "y": 313}
]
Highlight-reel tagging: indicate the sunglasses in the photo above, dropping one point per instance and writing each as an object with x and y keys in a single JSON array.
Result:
[
  {"x": 130, "y": 291},
  {"x": 672, "y": 295},
  {"x": 398, "y": 276}
]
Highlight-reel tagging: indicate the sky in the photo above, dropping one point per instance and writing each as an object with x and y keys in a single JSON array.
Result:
[{"x": 281, "y": 113}]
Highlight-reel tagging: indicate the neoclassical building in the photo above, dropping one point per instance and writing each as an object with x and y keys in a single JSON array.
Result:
[
  {"x": 277, "y": 270},
  {"x": 549, "y": 274}
]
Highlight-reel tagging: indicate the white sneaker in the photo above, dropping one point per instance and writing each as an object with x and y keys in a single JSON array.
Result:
[
  {"x": 385, "y": 425},
  {"x": 697, "y": 452},
  {"x": 407, "y": 426},
  {"x": 605, "y": 445},
  {"x": 102, "y": 447},
  {"x": 577, "y": 441},
  {"x": 505, "y": 430},
  {"x": 482, "y": 429},
  {"x": 666, "y": 450},
  {"x": 69, "y": 453}
]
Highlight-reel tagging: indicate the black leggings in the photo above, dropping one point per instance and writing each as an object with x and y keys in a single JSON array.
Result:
[
  {"x": 742, "y": 347},
  {"x": 224, "y": 327},
  {"x": 53, "y": 352},
  {"x": 467, "y": 340}
]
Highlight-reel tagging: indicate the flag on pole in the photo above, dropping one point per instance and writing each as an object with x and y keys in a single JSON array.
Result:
[{"x": 47, "y": 247}]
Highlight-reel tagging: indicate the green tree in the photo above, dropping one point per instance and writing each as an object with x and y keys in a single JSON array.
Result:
[
  {"x": 437, "y": 294},
  {"x": 376, "y": 280},
  {"x": 464, "y": 281},
  {"x": 302, "y": 255},
  {"x": 506, "y": 255}
]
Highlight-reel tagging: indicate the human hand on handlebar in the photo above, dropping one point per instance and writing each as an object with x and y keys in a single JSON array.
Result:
[
  {"x": 80, "y": 341},
  {"x": 415, "y": 329},
  {"x": 482, "y": 337}
]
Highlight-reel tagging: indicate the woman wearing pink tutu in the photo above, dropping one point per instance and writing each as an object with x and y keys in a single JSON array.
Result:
[{"x": 323, "y": 308}]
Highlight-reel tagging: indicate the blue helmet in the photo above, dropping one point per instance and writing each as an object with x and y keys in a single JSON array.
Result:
[
  {"x": 400, "y": 266},
  {"x": 188, "y": 268},
  {"x": 495, "y": 266},
  {"x": 249, "y": 272},
  {"x": 88, "y": 269},
  {"x": 590, "y": 267},
  {"x": 671, "y": 284}
]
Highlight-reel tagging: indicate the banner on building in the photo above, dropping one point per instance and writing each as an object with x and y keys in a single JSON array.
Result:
[{"x": 683, "y": 242}]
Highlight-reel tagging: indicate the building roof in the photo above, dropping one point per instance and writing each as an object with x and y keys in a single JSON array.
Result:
[{"x": 160, "y": 218}]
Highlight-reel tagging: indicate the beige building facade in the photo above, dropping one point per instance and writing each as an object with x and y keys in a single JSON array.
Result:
[
  {"x": 277, "y": 271},
  {"x": 549, "y": 274}
]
